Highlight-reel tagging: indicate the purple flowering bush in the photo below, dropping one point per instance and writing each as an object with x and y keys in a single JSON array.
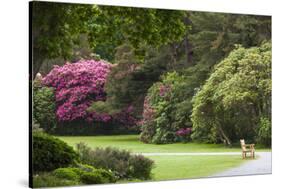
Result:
[
  {"x": 184, "y": 131},
  {"x": 77, "y": 86},
  {"x": 184, "y": 134}
]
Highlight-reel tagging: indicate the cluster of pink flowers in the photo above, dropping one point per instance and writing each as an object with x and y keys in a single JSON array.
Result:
[
  {"x": 163, "y": 89},
  {"x": 148, "y": 112},
  {"x": 184, "y": 131},
  {"x": 126, "y": 117},
  {"x": 77, "y": 85}
]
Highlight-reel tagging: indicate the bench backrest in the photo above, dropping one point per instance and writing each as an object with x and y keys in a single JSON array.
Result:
[{"x": 242, "y": 142}]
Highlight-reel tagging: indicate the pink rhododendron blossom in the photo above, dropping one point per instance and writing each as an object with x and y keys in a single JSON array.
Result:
[
  {"x": 148, "y": 112},
  {"x": 184, "y": 131},
  {"x": 126, "y": 117},
  {"x": 77, "y": 85},
  {"x": 163, "y": 89}
]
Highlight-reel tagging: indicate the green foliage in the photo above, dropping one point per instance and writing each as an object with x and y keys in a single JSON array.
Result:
[
  {"x": 71, "y": 176},
  {"x": 44, "y": 107},
  {"x": 57, "y": 29},
  {"x": 49, "y": 153},
  {"x": 129, "y": 73},
  {"x": 91, "y": 178},
  {"x": 264, "y": 131},
  {"x": 136, "y": 26},
  {"x": 214, "y": 35},
  {"x": 166, "y": 109},
  {"x": 49, "y": 180},
  {"x": 140, "y": 167},
  {"x": 67, "y": 173},
  {"x": 107, "y": 175},
  {"x": 120, "y": 162},
  {"x": 86, "y": 174},
  {"x": 97, "y": 177},
  {"x": 235, "y": 96}
]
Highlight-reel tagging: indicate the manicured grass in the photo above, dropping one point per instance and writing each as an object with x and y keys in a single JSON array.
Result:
[
  {"x": 169, "y": 167},
  {"x": 132, "y": 143},
  {"x": 182, "y": 167}
]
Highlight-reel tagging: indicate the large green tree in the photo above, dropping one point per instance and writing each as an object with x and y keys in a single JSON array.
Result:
[
  {"x": 57, "y": 26},
  {"x": 214, "y": 35},
  {"x": 236, "y": 96}
]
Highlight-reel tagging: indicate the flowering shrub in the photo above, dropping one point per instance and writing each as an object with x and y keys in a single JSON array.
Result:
[
  {"x": 183, "y": 131},
  {"x": 125, "y": 117},
  {"x": 165, "y": 111},
  {"x": 184, "y": 134},
  {"x": 147, "y": 123},
  {"x": 164, "y": 89},
  {"x": 76, "y": 86}
]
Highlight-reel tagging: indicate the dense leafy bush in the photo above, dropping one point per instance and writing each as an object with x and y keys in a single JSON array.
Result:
[
  {"x": 91, "y": 178},
  {"x": 184, "y": 134},
  {"x": 85, "y": 174},
  {"x": 49, "y": 180},
  {"x": 140, "y": 167},
  {"x": 67, "y": 173},
  {"x": 49, "y": 153},
  {"x": 120, "y": 162},
  {"x": 107, "y": 175},
  {"x": 237, "y": 94},
  {"x": 264, "y": 131},
  {"x": 44, "y": 107},
  {"x": 166, "y": 109}
]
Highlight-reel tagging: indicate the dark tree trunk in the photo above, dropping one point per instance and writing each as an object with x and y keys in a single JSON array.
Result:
[{"x": 225, "y": 137}]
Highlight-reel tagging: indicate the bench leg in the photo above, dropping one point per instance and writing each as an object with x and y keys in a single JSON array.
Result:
[{"x": 243, "y": 155}]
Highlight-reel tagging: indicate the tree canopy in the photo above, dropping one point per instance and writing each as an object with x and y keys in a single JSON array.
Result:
[
  {"x": 56, "y": 27},
  {"x": 235, "y": 97}
]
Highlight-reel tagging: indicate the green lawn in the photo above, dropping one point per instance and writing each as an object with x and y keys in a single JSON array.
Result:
[
  {"x": 181, "y": 167},
  {"x": 132, "y": 143},
  {"x": 169, "y": 167}
]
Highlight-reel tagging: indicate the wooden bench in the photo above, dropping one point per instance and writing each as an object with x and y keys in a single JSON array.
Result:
[{"x": 247, "y": 148}]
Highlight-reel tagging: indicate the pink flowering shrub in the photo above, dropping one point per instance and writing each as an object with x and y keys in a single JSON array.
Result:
[
  {"x": 183, "y": 132},
  {"x": 148, "y": 112},
  {"x": 126, "y": 117},
  {"x": 77, "y": 86},
  {"x": 165, "y": 111},
  {"x": 164, "y": 89}
]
